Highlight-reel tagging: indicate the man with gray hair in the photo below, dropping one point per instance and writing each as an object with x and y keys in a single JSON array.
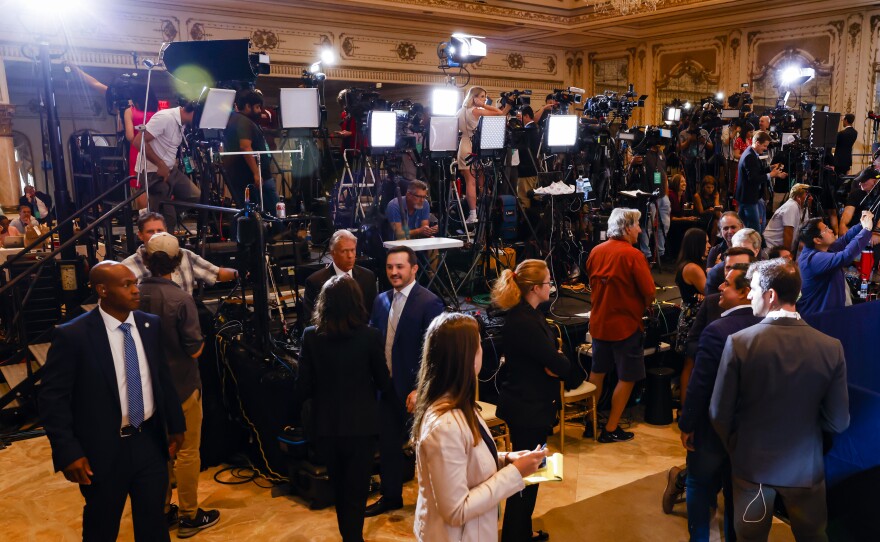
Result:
[
  {"x": 729, "y": 224},
  {"x": 746, "y": 238},
  {"x": 418, "y": 214},
  {"x": 622, "y": 288},
  {"x": 343, "y": 250},
  {"x": 780, "y": 385}
]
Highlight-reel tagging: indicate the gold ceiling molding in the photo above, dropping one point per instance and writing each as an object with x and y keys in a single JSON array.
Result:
[{"x": 530, "y": 15}]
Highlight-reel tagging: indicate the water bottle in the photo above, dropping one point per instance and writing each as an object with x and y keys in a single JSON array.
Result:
[
  {"x": 579, "y": 184},
  {"x": 309, "y": 237},
  {"x": 863, "y": 291}
]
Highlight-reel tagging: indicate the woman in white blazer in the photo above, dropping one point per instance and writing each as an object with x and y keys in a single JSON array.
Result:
[{"x": 462, "y": 477}]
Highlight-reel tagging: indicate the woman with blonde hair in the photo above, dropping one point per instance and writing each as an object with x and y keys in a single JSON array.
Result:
[
  {"x": 529, "y": 395},
  {"x": 462, "y": 476},
  {"x": 472, "y": 109}
]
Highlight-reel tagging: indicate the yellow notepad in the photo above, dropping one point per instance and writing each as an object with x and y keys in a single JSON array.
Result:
[{"x": 551, "y": 472}]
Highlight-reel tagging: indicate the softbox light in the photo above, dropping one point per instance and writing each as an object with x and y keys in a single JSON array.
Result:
[
  {"x": 216, "y": 109},
  {"x": 443, "y": 134},
  {"x": 382, "y": 126},
  {"x": 562, "y": 131},
  {"x": 492, "y": 133},
  {"x": 300, "y": 108}
]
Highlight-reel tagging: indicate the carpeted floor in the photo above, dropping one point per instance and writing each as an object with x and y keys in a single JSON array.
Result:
[{"x": 630, "y": 513}]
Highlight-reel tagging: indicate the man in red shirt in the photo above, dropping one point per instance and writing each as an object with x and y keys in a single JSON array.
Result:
[{"x": 622, "y": 288}]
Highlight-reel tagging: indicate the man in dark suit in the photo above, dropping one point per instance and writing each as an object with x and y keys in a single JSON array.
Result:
[
  {"x": 403, "y": 315},
  {"x": 343, "y": 250},
  {"x": 107, "y": 403},
  {"x": 708, "y": 464},
  {"x": 846, "y": 138},
  {"x": 743, "y": 251},
  {"x": 753, "y": 177},
  {"x": 39, "y": 202},
  {"x": 781, "y": 384}
]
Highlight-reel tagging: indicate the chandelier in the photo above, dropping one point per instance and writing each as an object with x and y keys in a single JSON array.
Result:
[{"x": 627, "y": 7}]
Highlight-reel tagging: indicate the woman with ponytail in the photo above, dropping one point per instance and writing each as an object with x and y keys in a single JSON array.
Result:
[{"x": 534, "y": 365}]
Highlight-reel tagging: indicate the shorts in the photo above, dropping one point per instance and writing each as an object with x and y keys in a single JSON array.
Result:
[{"x": 627, "y": 355}]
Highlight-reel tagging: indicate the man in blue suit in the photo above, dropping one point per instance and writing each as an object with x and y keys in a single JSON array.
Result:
[
  {"x": 403, "y": 315},
  {"x": 707, "y": 461},
  {"x": 107, "y": 403}
]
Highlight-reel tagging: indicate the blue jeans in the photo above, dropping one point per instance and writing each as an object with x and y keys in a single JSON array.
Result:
[
  {"x": 707, "y": 473},
  {"x": 750, "y": 213}
]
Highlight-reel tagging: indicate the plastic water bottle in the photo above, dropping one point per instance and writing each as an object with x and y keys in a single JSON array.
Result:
[
  {"x": 579, "y": 184},
  {"x": 308, "y": 237},
  {"x": 863, "y": 291}
]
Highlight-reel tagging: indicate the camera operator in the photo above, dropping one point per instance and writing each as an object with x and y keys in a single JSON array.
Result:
[
  {"x": 243, "y": 135},
  {"x": 859, "y": 201},
  {"x": 693, "y": 143},
  {"x": 134, "y": 115},
  {"x": 550, "y": 105},
  {"x": 472, "y": 109},
  {"x": 752, "y": 177},
  {"x": 527, "y": 147},
  {"x": 164, "y": 135},
  {"x": 654, "y": 179},
  {"x": 846, "y": 138},
  {"x": 352, "y": 138}
]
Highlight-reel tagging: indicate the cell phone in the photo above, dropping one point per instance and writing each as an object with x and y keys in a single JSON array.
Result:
[{"x": 544, "y": 462}]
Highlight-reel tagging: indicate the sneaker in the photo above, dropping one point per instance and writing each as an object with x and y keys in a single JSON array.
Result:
[
  {"x": 673, "y": 491},
  {"x": 471, "y": 219},
  {"x": 618, "y": 435},
  {"x": 203, "y": 520},
  {"x": 171, "y": 516}
]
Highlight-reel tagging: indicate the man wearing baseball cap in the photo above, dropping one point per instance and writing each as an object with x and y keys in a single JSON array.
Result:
[
  {"x": 182, "y": 342},
  {"x": 858, "y": 202}
]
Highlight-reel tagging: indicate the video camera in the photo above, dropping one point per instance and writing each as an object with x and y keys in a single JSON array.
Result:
[
  {"x": 128, "y": 87},
  {"x": 359, "y": 101},
  {"x": 642, "y": 139},
  {"x": 411, "y": 117},
  {"x": 516, "y": 98},
  {"x": 740, "y": 100},
  {"x": 565, "y": 97},
  {"x": 784, "y": 120},
  {"x": 609, "y": 103}
]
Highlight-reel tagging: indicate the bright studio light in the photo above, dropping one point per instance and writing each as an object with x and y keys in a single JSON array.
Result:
[
  {"x": 327, "y": 56},
  {"x": 687, "y": 105},
  {"x": 719, "y": 96},
  {"x": 445, "y": 101},
  {"x": 562, "y": 131},
  {"x": 315, "y": 68},
  {"x": 383, "y": 129},
  {"x": 795, "y": 75},
  {"x": 57, "y": 7}
]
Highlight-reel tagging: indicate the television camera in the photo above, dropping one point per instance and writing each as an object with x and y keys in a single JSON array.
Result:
[
  {"x": 516, "y": 98},
  {"x": 612, "y": 105}
]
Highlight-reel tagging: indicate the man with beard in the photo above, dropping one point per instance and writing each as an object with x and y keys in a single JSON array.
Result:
[{"x": 241, "y": 135}]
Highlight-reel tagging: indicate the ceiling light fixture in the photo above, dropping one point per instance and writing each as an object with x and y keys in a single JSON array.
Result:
[{"x": 627, "y": 7}]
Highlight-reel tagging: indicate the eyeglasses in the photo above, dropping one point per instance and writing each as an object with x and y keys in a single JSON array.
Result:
[{"x": 425, "y": 196}]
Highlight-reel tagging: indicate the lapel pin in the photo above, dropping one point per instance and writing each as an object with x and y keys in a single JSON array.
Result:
[{"x": 146, "y": 324}]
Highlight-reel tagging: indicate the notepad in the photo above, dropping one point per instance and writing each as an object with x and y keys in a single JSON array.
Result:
[{"x": 551, "y": 472}]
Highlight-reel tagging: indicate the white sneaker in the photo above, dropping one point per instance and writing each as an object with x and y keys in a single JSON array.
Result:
[{"x": 471, "y": 219}]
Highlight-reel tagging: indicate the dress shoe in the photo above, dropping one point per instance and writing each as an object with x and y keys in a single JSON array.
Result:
[{"x": 381, "y": 506}]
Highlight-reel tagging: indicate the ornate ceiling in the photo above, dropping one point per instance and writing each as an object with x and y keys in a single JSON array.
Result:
[{"x": 544, "y": 23}]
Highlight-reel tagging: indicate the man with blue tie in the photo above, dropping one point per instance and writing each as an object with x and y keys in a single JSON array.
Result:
[
  {"x": 107, "y": 403},
  {"x": 403, "y": 315}
]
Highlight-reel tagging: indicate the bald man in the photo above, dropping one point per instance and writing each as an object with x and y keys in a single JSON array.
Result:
[{"x": 107, "y": 403}]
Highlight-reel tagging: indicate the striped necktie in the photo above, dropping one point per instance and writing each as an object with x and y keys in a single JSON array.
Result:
[{"x": 132, "y": 378}]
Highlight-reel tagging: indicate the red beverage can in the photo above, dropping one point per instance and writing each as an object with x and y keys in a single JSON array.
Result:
[
  {"x": 866, "y": 265},
  {"x": 280, "y": 210}
]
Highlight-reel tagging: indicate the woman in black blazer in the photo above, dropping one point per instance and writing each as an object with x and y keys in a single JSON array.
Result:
[
  {"x": 534, "y": 365},
  {"x": 341, "y": 367}
]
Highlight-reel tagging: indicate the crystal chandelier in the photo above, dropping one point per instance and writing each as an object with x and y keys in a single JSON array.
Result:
[{"x": 627, "y": 7}]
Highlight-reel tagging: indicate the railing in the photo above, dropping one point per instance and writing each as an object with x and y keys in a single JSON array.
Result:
[
  {"x": 39, "y": 240},
  {"x": 72, "y": 241}
]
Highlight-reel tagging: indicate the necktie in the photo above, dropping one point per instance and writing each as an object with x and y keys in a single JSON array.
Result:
[
  {"x": 393, "y": 319},
  {"x": 132, "y": 378},
  {"x": 36, "y": 209}
]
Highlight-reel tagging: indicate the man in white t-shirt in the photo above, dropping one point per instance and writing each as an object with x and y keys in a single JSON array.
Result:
[
  {"x": 164, "y": 135},
  {"x": 781, "y": 230}
]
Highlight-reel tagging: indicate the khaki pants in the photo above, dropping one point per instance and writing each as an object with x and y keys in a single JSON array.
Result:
[
  {"x": 185, "y": 468},
  {"x": 523, "y": 185}
]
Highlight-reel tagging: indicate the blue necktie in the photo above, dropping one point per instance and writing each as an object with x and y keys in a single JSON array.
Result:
[{"x": 133, "y": 379}]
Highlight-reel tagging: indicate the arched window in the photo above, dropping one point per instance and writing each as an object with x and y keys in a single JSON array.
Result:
[
  {"x": 611, "y": 74},
  {"x": 24, "y": 160},
  {"x": 768, "y": 85},
  {"x": 688, "y": 81}
]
